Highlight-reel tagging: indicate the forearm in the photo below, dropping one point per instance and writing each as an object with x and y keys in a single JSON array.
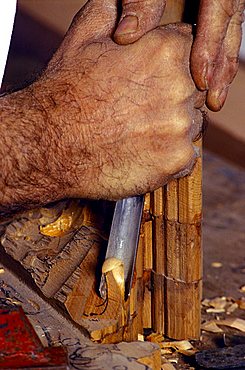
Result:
[{"x": 28, "y": 176}]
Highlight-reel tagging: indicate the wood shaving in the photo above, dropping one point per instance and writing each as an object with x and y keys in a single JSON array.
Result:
[
  {"x": 241, "y": 303},
  {"x": 166, "y": 351},
  {"x": 182, "y": 346},
  {"x": 218, "y": 302},
  {"x": 169, "y": 347},
  {"x": 216, "y": 264},
  {"x": 166, "y": 365},
  {"x": 141, "y": 337},
  {"x": 232, "y": 308},
  {"x": 189, "y": 352},
  {"x": 215, "y": 310},
  {"x": 155, "y": 338},
  {"x": 206, "y": 302},
  {"x": 174, "y": 360},
  {"x": 233, "y": 323},
  {"x": 220, "y": 305},
  {"x": 72, "y": 218},
  {"x": 213, "y": 326},
  {"x": 178, "y": 345}
]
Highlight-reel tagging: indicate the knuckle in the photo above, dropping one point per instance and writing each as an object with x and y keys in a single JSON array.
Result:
[
  {"x": 181, "y": 125},
  {"x": 186, "y": 157}
]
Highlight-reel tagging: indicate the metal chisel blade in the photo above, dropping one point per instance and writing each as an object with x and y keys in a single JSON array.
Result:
[{"x": 124, "y": 235}]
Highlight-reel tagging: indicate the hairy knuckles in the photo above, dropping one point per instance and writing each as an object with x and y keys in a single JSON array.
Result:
[{"x": 133, "y": 104}]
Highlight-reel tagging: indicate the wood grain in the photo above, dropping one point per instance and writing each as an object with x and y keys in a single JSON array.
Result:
[{"x": 177, "y": 250}]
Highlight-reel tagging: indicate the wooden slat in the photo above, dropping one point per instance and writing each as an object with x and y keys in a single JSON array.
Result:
[{"x": 177, "y": 250}]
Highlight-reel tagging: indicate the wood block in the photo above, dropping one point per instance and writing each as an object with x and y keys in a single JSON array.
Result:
[
  {"x": 158, "y": 303},
  {"x": 177, "y": 256},
  {"x": 183, "y": 254},
  {"x": 147, "y": 299},
  {"x": 159, "y": 244},
  {"x": 190, "y": 194},
  {"x": 179, "y": 314},
  {"x": 171, "y": 204}
]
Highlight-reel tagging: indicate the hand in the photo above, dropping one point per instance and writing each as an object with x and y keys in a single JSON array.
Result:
[
  {"x": 134, "y": 106},
  {"x": 214, "y": 57},
  {"x": 111, "y": 121}
]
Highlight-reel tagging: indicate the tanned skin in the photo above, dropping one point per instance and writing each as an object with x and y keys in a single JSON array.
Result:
[
  {"x": 103, "y": 120},
  {"x": 214, "y": 57}
]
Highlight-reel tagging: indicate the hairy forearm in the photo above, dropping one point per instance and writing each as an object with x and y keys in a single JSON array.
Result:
[{"x": 28, "y": 175}]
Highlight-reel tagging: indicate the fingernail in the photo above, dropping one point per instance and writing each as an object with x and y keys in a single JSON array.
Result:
[
  {"x": 208, "y": 74},
  {"x": 222, "y": 96},
  {"x": 128, "y": 24},
  {"x": 216, "y": 99}
]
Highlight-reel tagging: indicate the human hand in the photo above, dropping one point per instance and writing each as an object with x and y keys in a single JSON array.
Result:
[
  {"x": 104, "y": 120},
  {"x": 214, "y": 57},
  {"x": 133, "y": 106}
]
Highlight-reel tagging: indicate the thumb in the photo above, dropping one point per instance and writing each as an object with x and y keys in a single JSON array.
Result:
[
  {"x": 138, "y": 17},
  {"x": 95, "y": 20}
]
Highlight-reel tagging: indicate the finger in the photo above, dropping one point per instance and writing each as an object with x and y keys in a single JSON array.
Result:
[
  {"x": 138, "y": 17},
  {"x": 95, "y": 20},
  {"x": 227, "y": 63},
  {"x": 213, "y": 20}
]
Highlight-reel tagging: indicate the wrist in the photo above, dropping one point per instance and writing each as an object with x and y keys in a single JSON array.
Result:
[
  {"x": 73, "y": 158},
  {"x": 27, "y": 177}
]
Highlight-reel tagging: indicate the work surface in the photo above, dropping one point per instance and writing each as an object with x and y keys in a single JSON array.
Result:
[
  {"x": 224, "y": 269},
  {"x": 223, "y": 228}
]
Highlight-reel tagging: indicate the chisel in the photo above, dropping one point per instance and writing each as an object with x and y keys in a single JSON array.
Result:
[{"x": 123, "y": 238}]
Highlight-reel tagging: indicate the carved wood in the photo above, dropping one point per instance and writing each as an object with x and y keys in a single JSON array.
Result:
[{"x": 67, "y": 266}]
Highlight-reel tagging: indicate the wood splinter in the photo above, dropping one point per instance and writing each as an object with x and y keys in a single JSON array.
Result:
[{"x": 114, "y": 267}]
